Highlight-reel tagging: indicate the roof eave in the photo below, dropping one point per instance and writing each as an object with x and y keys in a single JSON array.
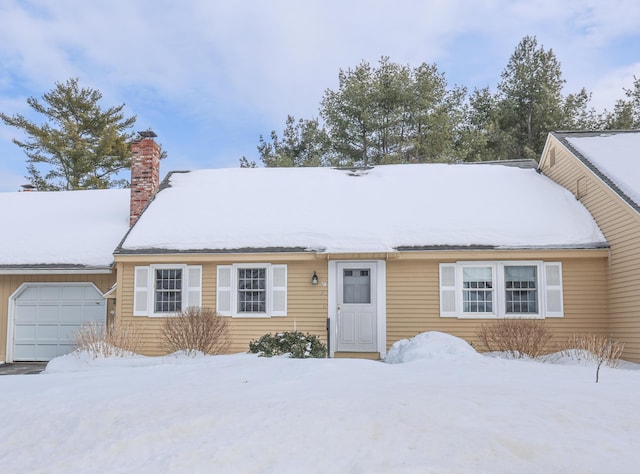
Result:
[
  {"x": 562, "y": 138},
  {"x": 54, "y": 269}
]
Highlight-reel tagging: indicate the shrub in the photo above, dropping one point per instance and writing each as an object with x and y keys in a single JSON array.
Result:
[
  {"x": 100, "y": 340},
  {"x": 195, "y": 330},
  {"x": 517, "y": 337},
  {"x": 594, "y": 348},
  {"x": 296, "y": 344}
]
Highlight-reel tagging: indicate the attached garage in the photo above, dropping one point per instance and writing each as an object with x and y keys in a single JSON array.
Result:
[{"x": 44, "y": 316}]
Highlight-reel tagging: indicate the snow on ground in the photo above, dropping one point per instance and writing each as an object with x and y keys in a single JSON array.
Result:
[
  {"x": 448, "y": 410},
  {"x": 64, "y": 227},
  {"x": 384, "y": 208}
]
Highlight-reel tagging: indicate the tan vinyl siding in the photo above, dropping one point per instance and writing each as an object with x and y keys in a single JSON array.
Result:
[
  {"x": 10, "y": 283},
  {"x": 621, "y": 226},
  {"x": 413, "y": 300},
  {"x": 306, "y": 304},
  {"x": 412, "y": 288}
]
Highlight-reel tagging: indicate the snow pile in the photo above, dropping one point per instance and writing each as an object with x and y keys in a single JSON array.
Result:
[
  {"x": 64, "y": 228},
  {"x": 431, "y": 346},
  {"x": 617, "y": 155},
  {"x": 384, "y": 208}
]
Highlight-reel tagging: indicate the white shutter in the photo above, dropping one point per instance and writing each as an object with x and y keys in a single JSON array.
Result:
[
  {"x": 141, "y": 291},
  {"x": 448, "y": 290},
  {"x": 278, "y": 290},
  {"x": 554, "y": 307},
  {"x": 194, "y": 286},
  {"x": 223, "y": 292}
]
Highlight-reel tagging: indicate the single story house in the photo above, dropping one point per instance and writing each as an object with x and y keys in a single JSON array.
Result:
[
  {"x": 364, "y": 257},
  {"x": 360, "y": 257},
  {"x": 602, "y": 170}
]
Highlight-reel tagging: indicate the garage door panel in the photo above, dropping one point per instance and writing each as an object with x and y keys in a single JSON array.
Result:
[
  {"x": 25, "y": 332},
  {"x": 94, "y": 312},
  {"x": 77, "y": 293},
  {"x": 49, "y": 293},
  {"x": 47, "y": 333},
  {"x": 30, "y": 294},
  {"x": 66, "y": 333},
  {"x": 70, "y": 313},
  {"x": 24, "y": 352},
  {"x": 49, "y": 351},
  {"x": 26, "y": 314},
  {"x": 47, "y": 317},
  {"x": 48, "y": 313}
]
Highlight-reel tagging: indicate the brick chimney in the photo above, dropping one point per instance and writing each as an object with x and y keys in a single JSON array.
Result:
[{"x": 145, "y": 173}]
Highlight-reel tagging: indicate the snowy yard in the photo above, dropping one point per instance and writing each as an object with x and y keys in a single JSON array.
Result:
[{"x": 449, "y": 410}]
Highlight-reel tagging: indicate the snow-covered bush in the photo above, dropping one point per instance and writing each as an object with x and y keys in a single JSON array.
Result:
[
  {"x": 100, "y": 340},
  {"x": 516, "y": 337},
  {"x": 294, "y": 343},
  {"x": 196, "y": 330}
]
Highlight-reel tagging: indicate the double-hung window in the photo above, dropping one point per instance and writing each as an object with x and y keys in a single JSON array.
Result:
[
  {"x": 161, "y": 290},
  {"x": 255, "y": 290},
  {"x": 477, "y": 290},
  {"x": 168, "y": 290},
  {"x": 521, "y": 289},
  {"x": 501, "y": 289},
  {"x": 252, "y": 290}
]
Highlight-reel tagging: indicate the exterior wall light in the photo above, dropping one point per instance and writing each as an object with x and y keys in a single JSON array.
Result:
[{"x": 314, "y": 278}]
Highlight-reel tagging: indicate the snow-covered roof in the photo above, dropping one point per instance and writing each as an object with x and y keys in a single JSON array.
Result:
[
  {"x": 614, "y": 156},
  {"x": 63, "y": 228},
  {"x": 384, "y": 208}
]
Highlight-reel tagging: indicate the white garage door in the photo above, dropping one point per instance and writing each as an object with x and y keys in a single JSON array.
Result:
[{"x": 47, "y": 315}]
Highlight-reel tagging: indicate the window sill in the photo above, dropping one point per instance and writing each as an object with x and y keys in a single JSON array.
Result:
[{"x": 494, "y": 316}]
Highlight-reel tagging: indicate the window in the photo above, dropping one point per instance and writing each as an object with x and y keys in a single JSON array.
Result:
[
  {"x": 252, "y": 290},
  {"x": 521, "y": 294},
  {"x": 161, "y": 290},
  {"x": 356, "y": 286},
  {"x": 477, "y": 289},
  {"x": 168, "y": 290},
  {"x": 501, "y": 289}
]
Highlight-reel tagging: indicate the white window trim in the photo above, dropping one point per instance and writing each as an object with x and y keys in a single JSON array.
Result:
[
  {"x": 233, "y": 291},
  {"x": 499, "y": 290},
  {"x": 186, "y": 289}
]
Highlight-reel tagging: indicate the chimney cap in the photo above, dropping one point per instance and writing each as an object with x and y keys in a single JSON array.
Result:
[
  {"x": 28, "y": 187},
  {"x": 147, "y": 134}
]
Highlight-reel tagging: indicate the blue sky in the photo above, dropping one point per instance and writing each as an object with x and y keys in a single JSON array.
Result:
[{"x": 209, "y": 77}]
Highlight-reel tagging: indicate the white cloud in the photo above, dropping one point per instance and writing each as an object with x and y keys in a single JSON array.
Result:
[
  {"x": 610, "y": 88},
  {"x": 234, "y": 70}
]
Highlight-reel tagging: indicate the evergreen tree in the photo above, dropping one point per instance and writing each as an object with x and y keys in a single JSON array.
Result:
[
  {"x": 531, "y": 102},
  {"x": 79, "y": 145},
  {"x": 626, "y": 112},
  {"x": 303, "y": 143},
  {"x": 385, "y": 114}
]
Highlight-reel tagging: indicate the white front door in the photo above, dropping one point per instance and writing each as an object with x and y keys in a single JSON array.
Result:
[{"x": 357, "y": 317}]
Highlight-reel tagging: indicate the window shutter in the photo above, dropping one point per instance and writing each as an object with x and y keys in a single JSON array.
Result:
[
  {"x": 141, "y": 291},
  {"x": 278, "y": 290},
  {"x": 194, "y": 286},
  {"x": 448, "y": 290},
  {"x": 553, "y": 290},
  {"x": 223, "y": 292}
]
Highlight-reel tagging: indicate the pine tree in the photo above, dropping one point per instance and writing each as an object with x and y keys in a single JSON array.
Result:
[
  {"x": 79, "y": 145},
  {"x": 626, "y": 112},
  {"x": 530, "y": 93}
]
